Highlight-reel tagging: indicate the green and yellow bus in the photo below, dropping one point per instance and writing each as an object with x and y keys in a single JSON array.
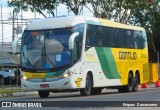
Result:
[{"x": 82, "y": 53}]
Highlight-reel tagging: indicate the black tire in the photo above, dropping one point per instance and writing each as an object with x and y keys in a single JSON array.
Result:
[
  {"x": 135, "y": 84},
  {"x": 96, "y": 91},
  {"x": 128, "y": 87},
  {"x": 1, "y": 80},
  {"x": 87, "y": 90},
  {"x": 121, "y": 89},
  {"x": 43, "y": 94}
]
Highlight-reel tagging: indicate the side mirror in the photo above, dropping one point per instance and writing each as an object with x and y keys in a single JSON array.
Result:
[
  {"x": 87, "y": 47},
  {"x": 71, "y": 40}
]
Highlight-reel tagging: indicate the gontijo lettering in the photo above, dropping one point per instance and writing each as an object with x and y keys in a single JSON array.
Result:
[{"x": 127, "y": 55}]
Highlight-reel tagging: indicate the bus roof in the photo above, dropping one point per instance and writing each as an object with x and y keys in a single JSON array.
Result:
[{"x": 63, "y": 22}]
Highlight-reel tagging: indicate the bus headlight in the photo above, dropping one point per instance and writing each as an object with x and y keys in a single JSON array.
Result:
[
  {"x": 65, "y": 75},
  {"x": 24, "y": 77}
]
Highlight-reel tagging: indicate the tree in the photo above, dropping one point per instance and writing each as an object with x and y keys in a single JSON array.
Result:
[
  {"x": 133, "y": 12},
  {"x": 117, "y": 10},
  {"x": 35, "y": 5},
  {"x": 147, "y": 16},
  {"x": 75, "y": 5},
  {"x": 48, "y": 5}
]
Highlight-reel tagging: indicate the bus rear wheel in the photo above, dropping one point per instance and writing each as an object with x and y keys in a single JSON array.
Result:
[
  {"x": 135, "y": 84},
  {"x": 87, "y": 90},
  {"x": 43, "y": 94}
]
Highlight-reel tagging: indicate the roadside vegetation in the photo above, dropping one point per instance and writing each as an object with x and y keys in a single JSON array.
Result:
[
  {"x": 9, "y": 90},
  {"x": 145, "y": 13}
]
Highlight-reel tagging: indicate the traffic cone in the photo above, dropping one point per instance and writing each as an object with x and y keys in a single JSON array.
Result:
[
  {"x": 157, "y": 84},
  {"x": 144, "y": 85},
  {"x": 139, "y": 86}
]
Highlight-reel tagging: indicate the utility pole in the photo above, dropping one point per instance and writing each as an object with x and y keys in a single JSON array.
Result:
[
  {"x": 21, "y": 14},
  {"x": 56, "y": 8},
  {"x": 17, "y": 11},
  {"x": 2, "y": 26},
  {"x": 2, "y": 39},
  {"x": 68, "y": 7},
  {"x": 13, "y": 27}
]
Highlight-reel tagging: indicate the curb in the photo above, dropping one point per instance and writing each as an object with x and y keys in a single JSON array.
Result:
[
  {"x": 3, "y": 95},
  {"x": 19, "y": 94}
]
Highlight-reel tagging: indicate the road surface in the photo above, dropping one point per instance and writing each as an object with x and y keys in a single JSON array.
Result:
[{"x": 151, "y": 94}]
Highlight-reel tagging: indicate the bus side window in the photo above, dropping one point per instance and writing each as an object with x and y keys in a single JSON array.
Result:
[
  {"x": 122, "y": 38},
  {"x": 140, "y": 39},
  {"x": 79, "y": 40},
  {"x": 106, "y": 37},
  {"x": 130, "y": 39},
  {"x": 88, "y": 38},
  {"x": 144, "y": 39},
  {"x": 99, "y": 36},
  {"x": 116, "y": 38},
  {"x": 112, "y": 37}
]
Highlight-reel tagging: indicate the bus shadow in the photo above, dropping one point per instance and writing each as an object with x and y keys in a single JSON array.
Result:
[
  {"x": 78, "y": 95},
  {"x": 72, "y": 95}
]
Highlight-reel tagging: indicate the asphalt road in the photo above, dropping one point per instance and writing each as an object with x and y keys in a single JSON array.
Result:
[{"x": 150, "y": 94}]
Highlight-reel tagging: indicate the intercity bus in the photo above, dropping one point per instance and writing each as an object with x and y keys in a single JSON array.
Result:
[{"x": 82, "y": 54}]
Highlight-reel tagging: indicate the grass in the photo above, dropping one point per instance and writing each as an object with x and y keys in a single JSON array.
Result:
[{"x": 9, "y": 91}]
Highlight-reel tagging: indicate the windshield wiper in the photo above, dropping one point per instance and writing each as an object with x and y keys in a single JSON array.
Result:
[
  {"x": 47, "y": 57},
  {"x": 44, "y": 58}
]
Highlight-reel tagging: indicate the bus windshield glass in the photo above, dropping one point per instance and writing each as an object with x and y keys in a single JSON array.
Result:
[{"x": 44, "y": 50}]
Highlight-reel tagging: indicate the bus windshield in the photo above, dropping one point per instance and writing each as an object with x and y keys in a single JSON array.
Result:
[{"x": 47, "y": 49}]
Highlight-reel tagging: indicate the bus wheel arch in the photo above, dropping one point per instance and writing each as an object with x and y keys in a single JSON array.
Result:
[
  {"x": 131, "y": 72},
  {"x": 88, "y": 86}
]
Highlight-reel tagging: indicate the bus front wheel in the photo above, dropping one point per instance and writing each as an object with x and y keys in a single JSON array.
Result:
[
  {"x": 96, "y": 91},
  {"x": 87, "y": 90},
  {"x": 129, "y": 86},
  {"x": 43, "y": 94}
]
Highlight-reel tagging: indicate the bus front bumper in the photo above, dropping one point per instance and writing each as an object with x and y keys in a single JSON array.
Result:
[{"x": 62, "y": 84}]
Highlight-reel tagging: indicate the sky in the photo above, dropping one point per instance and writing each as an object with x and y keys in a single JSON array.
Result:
[{"x": 6, "y": 35}]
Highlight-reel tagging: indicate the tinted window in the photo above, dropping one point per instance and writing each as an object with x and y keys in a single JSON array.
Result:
[
  {"x": 140, "y": 39},
  {"x": 79, "y": 28},
  {"x": 100, "y": 36}
]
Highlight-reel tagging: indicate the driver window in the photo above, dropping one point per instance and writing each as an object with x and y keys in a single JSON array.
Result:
[{"x": 79, "y": 40}]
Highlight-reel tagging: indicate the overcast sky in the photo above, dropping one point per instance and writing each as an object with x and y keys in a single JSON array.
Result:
[{"x": 7, "y": 13}]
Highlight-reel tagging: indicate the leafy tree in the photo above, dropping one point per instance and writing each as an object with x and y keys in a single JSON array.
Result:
[
  {"x": 48, "y": 5},
  {"x": 34, "y": 5},
  {"x": 75, "y": 5},
  {"x": 133, "y": 12},
  {"x": 147, "y": 15}
]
